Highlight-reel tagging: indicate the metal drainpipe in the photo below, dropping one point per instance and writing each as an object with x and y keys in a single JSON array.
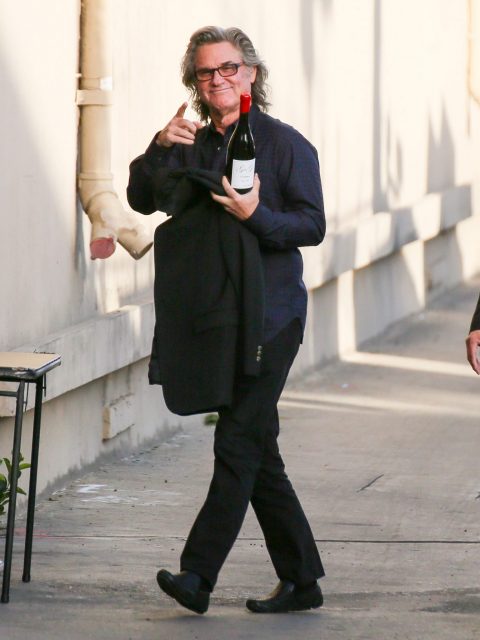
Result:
[{"x": 110, "y": 221}]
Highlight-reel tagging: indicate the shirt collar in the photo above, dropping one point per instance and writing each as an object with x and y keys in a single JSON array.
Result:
[{"x": 254, "y": 113}]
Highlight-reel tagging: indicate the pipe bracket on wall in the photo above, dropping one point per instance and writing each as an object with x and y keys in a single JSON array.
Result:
[{"x": 94, "y": 97}]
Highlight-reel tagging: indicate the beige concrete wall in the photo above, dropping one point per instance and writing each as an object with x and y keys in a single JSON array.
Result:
[{"x": 379, "y": 86}]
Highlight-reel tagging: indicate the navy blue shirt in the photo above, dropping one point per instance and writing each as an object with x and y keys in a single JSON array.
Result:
[{"x": 290, "y": 213}]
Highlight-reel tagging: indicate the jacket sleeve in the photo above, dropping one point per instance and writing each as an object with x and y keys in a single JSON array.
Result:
[
  {"x": 140, "y": 194},
  {"x": 475, "y": 325},
  {"x": 301, "y": 222}
]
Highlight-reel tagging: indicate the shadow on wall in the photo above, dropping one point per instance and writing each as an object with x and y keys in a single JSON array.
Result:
[
  {"x": 445, "y": 266},
  {"x": 35, "y": 239},
  {"x": 401, "y": 284},
  {"x": 408, "y": 276},
  {"x": 35, "y": 235},
  {"x": 390, "y": 163},
  {"x": 441, "y": 156},
  {"x": 394, "y": 163},
  {"x": 379, "y": 194},
  {"x": 387, "y": 154},
  {"x": 357, "y": 306},
  {"x": 310, "y": 53},
  {"x": 48, "y": 282},
  {"x": 307, "y": 39},
  {"x": 444, "y": 260},
  {"x": 386, "y": 291}
]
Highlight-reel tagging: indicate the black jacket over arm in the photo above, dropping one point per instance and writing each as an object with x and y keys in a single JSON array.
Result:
[{"x": 209, "y": 292}]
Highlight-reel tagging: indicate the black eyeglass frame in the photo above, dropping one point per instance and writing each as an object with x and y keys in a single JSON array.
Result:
[{"x": 233, "y": 68}]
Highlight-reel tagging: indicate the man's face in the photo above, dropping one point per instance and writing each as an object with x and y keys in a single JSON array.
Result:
[{"x": 222, "y": 95}]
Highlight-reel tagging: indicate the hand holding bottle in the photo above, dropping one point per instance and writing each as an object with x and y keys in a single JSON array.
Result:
[
  {"x": 179, "y": 130},
  {"x": 240, "y": 205}
]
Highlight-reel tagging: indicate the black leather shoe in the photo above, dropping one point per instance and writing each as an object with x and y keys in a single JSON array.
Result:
[
  {"x": 186, "y": 588},
  {"x": 287, "y": 597}
]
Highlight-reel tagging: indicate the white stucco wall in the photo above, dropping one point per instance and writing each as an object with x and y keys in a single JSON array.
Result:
[{"x": 380, "y": 88}]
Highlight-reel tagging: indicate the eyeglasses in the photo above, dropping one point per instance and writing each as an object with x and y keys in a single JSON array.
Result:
[{"x": 226, "y": 70}]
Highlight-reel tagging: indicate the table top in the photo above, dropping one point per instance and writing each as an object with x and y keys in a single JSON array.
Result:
[{"x": 16, "y": 365}]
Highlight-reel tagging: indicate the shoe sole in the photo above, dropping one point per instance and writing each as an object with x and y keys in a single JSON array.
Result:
[{"x": 187, "y": 600}]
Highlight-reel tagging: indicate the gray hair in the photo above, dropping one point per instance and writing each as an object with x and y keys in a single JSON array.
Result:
[{"x": 211, "y": 35}]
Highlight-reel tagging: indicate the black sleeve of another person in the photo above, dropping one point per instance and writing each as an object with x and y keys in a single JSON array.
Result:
[{"x": 475, "y": 325}]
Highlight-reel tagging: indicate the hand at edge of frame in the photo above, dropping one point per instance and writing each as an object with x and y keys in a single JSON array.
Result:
[{"x": 473, "y": 345}]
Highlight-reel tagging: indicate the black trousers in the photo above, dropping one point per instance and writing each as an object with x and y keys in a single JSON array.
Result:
[{"x": 249, "y": 468}]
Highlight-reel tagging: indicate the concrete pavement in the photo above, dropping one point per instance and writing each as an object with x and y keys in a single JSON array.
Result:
[{"x": 383, "y": 449}]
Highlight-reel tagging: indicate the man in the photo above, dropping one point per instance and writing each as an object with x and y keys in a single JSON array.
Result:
[
  {"x": 473, "y": 340},
  {"x": 284, "y": 210}
]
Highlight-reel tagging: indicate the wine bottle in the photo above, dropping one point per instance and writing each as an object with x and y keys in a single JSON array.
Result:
[{"x": 240, "y": 168}]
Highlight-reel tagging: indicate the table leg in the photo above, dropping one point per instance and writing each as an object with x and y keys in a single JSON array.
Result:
[
  {"x": 32, "y": 491},
  {"x": 17, "y": 439}
]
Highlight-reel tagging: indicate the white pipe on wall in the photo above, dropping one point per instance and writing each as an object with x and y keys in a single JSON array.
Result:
[{"x": 110, "y": 221}]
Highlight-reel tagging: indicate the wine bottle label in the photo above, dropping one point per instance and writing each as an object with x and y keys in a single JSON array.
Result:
[{"x": 242, "y": 173}]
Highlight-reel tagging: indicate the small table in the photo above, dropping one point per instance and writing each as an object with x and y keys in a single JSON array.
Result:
[{"x": 23, "y": 368}]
